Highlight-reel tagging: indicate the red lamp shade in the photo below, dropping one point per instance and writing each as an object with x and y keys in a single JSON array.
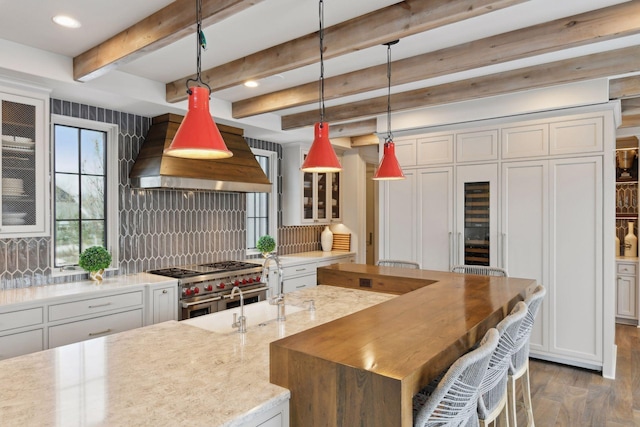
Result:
[
  {"x": 389, "y": 168},
  {"x": 321, "y": 157},
  {"x": 198, "y": 136}
]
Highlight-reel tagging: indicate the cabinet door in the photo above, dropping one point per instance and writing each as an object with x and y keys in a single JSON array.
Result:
[
  {"x": 626, "y": 297},
  {"x": 21, "y": 343},
  {"x": 477, "y": 215},
  {"x": 525, "y": 231},
  {"x": 576, "y": 278},
  {"x": 24, "y": 169},
  {"x": 68, "y": 333},
  {"x": 165, "y": 304},
  {"x": 308, "y": 197},
  {"x": 435, "y": 189},
  {"x": 335, "y": 198},
  {"x": 399, "y": 224}
]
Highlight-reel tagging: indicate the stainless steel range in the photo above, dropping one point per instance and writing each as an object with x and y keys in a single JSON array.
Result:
[{"x": 206, "y": 288}]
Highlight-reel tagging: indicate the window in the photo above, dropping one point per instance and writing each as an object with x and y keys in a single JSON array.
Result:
[
  {"x": 262, "y": 208},
  {"x": 85, "y": 182}
]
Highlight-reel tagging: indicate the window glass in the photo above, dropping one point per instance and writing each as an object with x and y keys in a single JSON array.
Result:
[{"x": 261, "y": 207}]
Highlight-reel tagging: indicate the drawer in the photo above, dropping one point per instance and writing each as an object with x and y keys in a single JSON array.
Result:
[
  {"x": 21, "y": 318},
  {"x": 93, "y": 328},
  {"x": 300, "y": 282},
  {"x": 298, "y": 270},
  {"x": 629, "y": 269},
  {"x": 21, "y": 343},
  {"x": 94, "y": 305}
]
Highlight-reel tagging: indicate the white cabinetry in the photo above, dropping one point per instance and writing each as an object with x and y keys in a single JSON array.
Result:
[
  {"x": 24, "y": 170},
  {"x": 309, "y": 198},
  {"x": 626, "y": 285},
  {"x": 21, "y": 331},
  {"x": 547, "y": 182},
  {"x": 162, "y": 303},
  {"x": 94, "y": 327}
]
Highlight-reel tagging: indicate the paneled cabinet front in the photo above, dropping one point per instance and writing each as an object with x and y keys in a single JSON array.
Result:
[
  {"x": 162, "y": 303},
  {"x": 24, "y": 169}
]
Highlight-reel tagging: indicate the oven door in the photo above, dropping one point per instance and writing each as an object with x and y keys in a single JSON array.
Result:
[
  {"x": 191, "y": 308},
  {"x": 250, "y": 296}
]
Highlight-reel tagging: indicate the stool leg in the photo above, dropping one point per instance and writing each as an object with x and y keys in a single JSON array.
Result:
[
  {"x": 511, "y": 401},
  {"x": 526, "y": 389}
]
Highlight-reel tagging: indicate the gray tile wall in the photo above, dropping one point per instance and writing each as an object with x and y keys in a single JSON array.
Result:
[{"x": 158, "y": 228}]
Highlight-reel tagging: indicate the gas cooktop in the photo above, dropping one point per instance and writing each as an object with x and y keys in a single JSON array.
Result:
[{"x": 208, "y": 270}]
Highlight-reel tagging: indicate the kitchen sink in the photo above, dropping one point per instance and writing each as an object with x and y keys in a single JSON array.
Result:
[{"x": 256, "y": 313}]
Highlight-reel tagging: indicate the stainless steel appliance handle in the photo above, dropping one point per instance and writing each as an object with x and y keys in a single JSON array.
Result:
[
  {"x": 504, "y": 250},
  {"x": 450, "y": 249},
  {"x": 204, "y": 301},
  {"x": 250, "y": 291},
  {"x": 459, "y": 246}
]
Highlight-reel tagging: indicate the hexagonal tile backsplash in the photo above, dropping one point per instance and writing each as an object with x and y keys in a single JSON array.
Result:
[{"x": 158, "y": 228}]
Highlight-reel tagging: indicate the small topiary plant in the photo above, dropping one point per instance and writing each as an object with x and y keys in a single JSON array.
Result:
[
  {"x": 94, "y": 258},
  {"x": 266, "y": 244}
]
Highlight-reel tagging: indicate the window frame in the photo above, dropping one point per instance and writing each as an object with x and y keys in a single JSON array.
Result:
[
  {"x": 273, "y": 197},
  {"x": 112, "y": 212}
]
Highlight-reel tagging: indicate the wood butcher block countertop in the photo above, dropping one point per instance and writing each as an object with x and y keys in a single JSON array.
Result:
[{"x": 364, "y": 368}]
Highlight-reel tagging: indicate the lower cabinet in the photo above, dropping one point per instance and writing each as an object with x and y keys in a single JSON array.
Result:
[
  {"x": 274, "y": 417},
  {"x": 626, "y": 286},
  {"x": 81, "y": 330},
  {"x": 162, "y": 303},
  {"x": 20, "y": 343}
]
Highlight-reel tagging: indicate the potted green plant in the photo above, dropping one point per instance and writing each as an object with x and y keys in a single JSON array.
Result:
[
  {"x": 266, "y": 244},
  {"x": 95, "y": 259}
]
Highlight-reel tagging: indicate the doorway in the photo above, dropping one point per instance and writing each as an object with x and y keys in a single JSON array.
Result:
[{"x": 372, "y": 216}]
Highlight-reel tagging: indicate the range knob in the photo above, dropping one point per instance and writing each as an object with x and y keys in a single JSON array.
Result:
[
  {"x": 209, "y": 288},
  {"x": 221, "y": 285},
  {"x": 258, "y": 278},
  {"x": 244, "y": 281},
  {"x": 196, "y": 290},
  {"x": 188, "y": 292},
  {"x": 237, "y": 282},
  {"x": 250, "y": 279}
]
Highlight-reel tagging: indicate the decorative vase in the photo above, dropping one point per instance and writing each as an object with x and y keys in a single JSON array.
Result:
[
  {"x": 326, "y": 239},
  {"x": 96, "y": 275},
  {"x": 630, "y": 243},
  {"x": 617, "y": 245}
]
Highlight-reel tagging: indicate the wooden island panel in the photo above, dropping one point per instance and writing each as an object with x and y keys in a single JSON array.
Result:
[{"x": 364, "y": 368}]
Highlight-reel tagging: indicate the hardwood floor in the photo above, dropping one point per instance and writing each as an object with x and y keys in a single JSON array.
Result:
[{"x": 566, "y": 396}]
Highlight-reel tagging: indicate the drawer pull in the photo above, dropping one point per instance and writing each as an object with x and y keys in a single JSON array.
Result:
[
  {"x": 164, "y": 291},
  {"x": 300, "y": 286},
  {"x": 93, "y": 334},
  {"x": 100, "y": 305},
  {"x": 300, "y": 269}
]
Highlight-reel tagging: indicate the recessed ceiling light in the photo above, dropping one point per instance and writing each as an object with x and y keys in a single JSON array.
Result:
[
  {"x": 251, "y": 83},
  {"x": 66, "y": 21}
]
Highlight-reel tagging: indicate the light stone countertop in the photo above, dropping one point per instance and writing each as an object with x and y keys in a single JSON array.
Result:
[
  {"x": 35, "y": 293},
  {"x": 169, "y": 374}
]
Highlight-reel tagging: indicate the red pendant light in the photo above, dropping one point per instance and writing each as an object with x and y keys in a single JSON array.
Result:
[
  {"x": 389, "y": 169},
  {"x": 198, "y": 136},
  {"x": 321, "y": 157}
]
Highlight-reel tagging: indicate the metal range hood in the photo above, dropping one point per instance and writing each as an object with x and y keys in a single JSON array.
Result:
[{"x": 153, "y": 169}]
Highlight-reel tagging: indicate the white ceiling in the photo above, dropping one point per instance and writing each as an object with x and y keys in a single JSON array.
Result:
[{"x": 28, "y": 38}]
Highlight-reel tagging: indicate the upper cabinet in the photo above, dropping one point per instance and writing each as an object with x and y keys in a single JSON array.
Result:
[
  {"x": 25, "y": 170},
  {"x": 308, "y": 198}
]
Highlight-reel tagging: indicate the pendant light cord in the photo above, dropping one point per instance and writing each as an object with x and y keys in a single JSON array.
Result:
[
  {"x": 389, "y": 135},
  {"x": 201, "y": 44},
  {"x": 321, "y": 34}
]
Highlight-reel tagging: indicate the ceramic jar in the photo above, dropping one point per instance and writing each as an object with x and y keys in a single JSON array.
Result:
[
  {"x": 630, "y": 243},
  {"x": 326, "y": 239}
]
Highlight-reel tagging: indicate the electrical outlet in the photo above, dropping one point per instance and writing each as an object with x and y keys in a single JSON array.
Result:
[{"x": 365, "y": 283}]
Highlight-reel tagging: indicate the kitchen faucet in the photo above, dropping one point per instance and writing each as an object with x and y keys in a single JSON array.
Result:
[
  {"x": 240, "y": 323},
  {"x": 277, "y": 299}
]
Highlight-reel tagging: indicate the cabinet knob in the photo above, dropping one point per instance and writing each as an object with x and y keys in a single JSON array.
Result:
[{"x": 164, "y": 291}]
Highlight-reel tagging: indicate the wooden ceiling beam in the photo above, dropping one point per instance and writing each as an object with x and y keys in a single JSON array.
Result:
[
  {"x": 603, "y": 24},
  {"x": 626, "y": 87},
  {"x": 350, "y": 129},
  {"x": 400, "y": 20},
  {"x": 598, "y": 65},
  {"x": 168, "y": 25}
]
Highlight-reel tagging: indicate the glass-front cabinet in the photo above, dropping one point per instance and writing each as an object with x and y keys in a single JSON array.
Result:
[
  {"x": 313, "y": 198},
  {"x": 24, "y": 169}
]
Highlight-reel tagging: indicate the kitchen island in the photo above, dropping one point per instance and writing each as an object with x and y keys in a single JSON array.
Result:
[
  {"x": 177, "y": 374},
  {"x": 365, "y": 368}
]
